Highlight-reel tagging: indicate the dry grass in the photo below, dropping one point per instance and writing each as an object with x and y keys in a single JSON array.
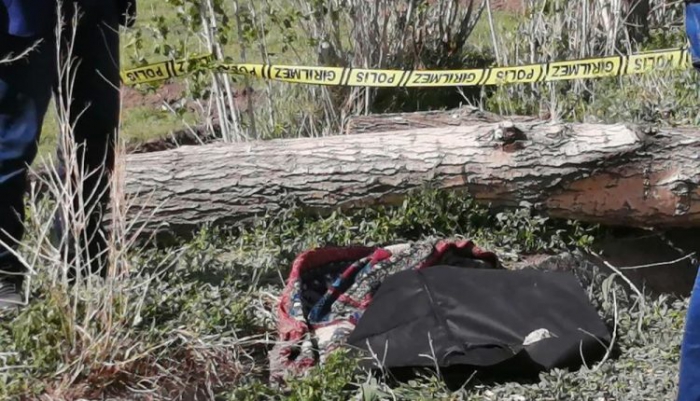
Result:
[
  {"x": 563, "y": 30},
  {"x": 86, "y": 337}
]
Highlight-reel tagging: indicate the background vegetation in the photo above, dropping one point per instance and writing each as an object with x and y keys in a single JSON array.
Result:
[{"x": 197, "y": 318}]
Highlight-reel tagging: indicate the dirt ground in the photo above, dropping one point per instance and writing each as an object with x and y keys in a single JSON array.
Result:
[
  {"x": 508, "y": 5},
  {"x": 169, "y": 93}
]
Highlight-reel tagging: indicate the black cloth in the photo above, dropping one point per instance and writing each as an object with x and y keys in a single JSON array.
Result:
[
  {"x": 32, "y": 18},
  {"x": 478, "y": 320}
]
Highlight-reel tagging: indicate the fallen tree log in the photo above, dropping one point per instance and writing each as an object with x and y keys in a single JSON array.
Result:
[
  {"x": 611, "y": 174},
  {"x": 425, "y": 119}
]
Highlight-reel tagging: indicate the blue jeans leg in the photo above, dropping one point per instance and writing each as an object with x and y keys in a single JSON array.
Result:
[
  {"x": 689, "y": 380},
  {"x": 25, "y": 92},
  {"x": 692, "y": 30}
]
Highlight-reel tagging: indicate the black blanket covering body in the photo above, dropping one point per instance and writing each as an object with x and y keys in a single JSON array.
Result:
[{"x": 497, "y": 323}]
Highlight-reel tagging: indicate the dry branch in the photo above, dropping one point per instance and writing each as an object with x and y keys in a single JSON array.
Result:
[{"x": 612, "y": 174}]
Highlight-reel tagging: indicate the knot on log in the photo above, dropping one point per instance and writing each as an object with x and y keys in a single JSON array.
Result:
[
  {"x": 509, "y": 137},
  {"x": 683, "y": 191},
  {"x": 645, "y": 132},
  {"x": 649, "y": 129}
]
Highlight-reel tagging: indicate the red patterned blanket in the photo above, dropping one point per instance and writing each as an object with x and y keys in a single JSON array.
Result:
[{"x": 329, "y": 288}]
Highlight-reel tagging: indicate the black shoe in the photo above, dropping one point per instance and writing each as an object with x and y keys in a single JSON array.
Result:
[{"x": 11, "y": 297}]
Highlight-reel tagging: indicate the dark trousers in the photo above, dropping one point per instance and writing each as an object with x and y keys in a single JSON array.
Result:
[{"x": 26, "y": 87}]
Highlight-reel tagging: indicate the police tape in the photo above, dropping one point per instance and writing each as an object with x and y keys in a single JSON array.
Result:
[{"x": 659, "y": 60}]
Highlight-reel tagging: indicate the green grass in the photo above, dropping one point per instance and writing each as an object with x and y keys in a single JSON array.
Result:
[
  {"x": 503, "y": 21},
  {"x": 212, "y": 301},
  {"x": 139, "y": 123},
  {"x": 143, "y": 123}
]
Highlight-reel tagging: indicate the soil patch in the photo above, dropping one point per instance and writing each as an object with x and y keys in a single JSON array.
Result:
[
  {"x": 515, "y": 6},
  {"x": 169, "y": 93},
  {"x": 173, "y": 93}
]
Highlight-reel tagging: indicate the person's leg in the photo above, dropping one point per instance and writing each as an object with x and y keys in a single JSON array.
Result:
[
  {"x": 25, "y": 92},
  {"x": 692, "y": 30},
  {"x": 94, "y": 109},
  {"x": 689, "y": 380},
  {"x": 689, "y": 377}
]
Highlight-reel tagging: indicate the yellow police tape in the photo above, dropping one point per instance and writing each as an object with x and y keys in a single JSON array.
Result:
[{"x": 337, "y": 76}]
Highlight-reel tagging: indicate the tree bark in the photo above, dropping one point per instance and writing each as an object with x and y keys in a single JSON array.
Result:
[
  {"x": 611, "y": 174},
  {"x": 426, "y": 119}
]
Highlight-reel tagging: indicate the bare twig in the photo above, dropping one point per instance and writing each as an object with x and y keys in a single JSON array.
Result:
[
  {"x": 493, "y": 32},
  {"x": 640, "y": 295},
  {"x": 672, "y": 262},
  {"x": 608, "y": 348},
  {"x": 622, "y": 276},
  {"x": 11, "y": 58}
]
